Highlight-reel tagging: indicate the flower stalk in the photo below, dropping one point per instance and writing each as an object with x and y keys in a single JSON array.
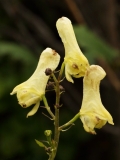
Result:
[
  {"x": 48, "y": 108},
  {"x": 71, "y": 122},
  {"x": 61, "y": 71}
]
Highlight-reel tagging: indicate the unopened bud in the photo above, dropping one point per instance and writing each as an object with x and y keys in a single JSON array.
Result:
[
  {"x": 50, "y": 85},
  {"x": 61, "y": 88},
  {"x": 48, "y": 133},
  {"x": 48, "y": 71}
]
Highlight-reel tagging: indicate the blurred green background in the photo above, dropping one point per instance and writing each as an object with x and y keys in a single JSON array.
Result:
[{"x": 26, "y": 28}]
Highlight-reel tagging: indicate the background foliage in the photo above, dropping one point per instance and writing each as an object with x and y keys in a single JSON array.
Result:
[{"x": 28, "y": 27}]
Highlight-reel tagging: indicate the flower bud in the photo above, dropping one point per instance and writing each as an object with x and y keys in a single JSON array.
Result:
[
  {"x": 48, "y": 71},
  {"x": 48, "y": 133},
  {"x": 62, "y": 89}
]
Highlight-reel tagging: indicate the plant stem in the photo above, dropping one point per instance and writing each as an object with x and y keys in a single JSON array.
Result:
[
  {"x": 70, "y": 122},
  {"x": 56, "y": 122},
  {"x": 48, "y": 108},
  {"x": 61, "y": 71},
  {"x": 57, "y": 105}
]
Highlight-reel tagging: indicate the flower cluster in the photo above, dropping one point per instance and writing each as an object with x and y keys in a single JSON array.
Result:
[{"x": 92, "y": 113}]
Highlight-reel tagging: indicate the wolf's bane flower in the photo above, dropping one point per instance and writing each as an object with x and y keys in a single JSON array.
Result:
[
  {"x": 31, "y": 91},
  {"x": 76, "y": 63},
  {"x": 92, "y": 113}
]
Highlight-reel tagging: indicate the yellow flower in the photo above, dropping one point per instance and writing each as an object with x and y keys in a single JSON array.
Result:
[
  {"x": 92, "y": 113},
  {"x": 75, "y": 62},
  {"x": 31, "y": 91}
]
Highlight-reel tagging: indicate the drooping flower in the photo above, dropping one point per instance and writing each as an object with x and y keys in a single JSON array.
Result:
[
  {"x": 75, "y": 62},
  {"x": 31, "y": 91},
  {"x": 92, "y": 113}
]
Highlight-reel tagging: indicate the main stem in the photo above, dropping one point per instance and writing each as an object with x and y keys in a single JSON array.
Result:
[{"x": 56, "y": 122}]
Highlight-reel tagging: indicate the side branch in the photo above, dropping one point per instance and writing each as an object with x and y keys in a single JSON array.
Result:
[
  {"x": 70, "y": 122},
  {"x": 47, "y": 107}
]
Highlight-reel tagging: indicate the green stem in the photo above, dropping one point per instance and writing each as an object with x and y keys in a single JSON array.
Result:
[
  {"x": 47, "y": 107},
  {"x": 56, "y": 122},
  {"x": 61, "y": 71},
  {"x": 70, "y": 122},
  {"x": 54, "y": 78},
  {"x": 57, "y": 105}
]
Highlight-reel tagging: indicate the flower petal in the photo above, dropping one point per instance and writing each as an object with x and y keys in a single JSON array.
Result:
[
  {"x": 88, "y": 124},
  {"x": 34, "y": 110}
]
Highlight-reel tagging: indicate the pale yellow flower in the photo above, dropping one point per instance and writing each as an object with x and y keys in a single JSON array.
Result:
[
  {"x": 31, "y": 91},
  {"x": 92, "y": 113},
  {"x": 75, "y": 62}
]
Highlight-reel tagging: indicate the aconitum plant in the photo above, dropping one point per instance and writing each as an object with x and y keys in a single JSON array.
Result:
[{"x": 92, "y": 112}]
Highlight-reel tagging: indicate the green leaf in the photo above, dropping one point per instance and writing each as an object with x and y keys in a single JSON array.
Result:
[
  {"x": 39, "y": 143},
  {"x": 14, "y": 58},
  {"x": 93, "y": 46},
  {"x": 17, "y": 52}
]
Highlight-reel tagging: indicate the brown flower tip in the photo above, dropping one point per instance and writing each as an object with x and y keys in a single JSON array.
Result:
[{"x": 54, "y": 52}]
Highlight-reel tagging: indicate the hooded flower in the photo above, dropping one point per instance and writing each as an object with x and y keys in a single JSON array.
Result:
[
  {"x": 31, "y": 91},
  {"x": 92, "y": 113},
  {"x": 75, "y": 62}
]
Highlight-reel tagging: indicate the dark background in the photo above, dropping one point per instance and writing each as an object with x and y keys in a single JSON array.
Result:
[{"x": 26, "y": 28}]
